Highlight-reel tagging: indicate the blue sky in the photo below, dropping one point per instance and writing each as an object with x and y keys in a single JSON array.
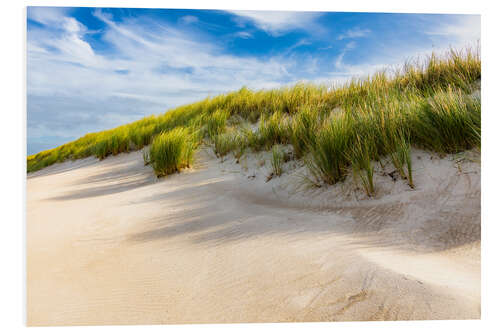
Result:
[{"x": 90, "y": 69}]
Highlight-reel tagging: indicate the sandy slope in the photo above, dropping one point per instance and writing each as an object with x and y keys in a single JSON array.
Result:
[{"x": 108, "y": 243}]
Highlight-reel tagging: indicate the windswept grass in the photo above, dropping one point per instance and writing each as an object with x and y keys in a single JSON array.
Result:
[
  {"x": 216, "y": 123},
  {"x": 303, "y": 129},
  {"x": 171, "y": 151},
  {"x": 224, "y": 143},
  {"x": 277, "y": 160},
  {"x": 359, "y": 156},
  {"x": 273, "y": 130},
  {"x": 327, "y": 160},
  {"x": 401, "y": 157},
  {"x": 241, "y": 141},
  {"x": 449, "y": 123},
  {"x": 334, "y": 129},
  {"x": 458, "y": 70}
]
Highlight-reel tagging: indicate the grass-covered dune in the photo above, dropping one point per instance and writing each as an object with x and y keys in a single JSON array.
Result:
[{"x": 424, "y": 104}]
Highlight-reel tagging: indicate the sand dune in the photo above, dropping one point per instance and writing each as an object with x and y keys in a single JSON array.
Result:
[{"x": 108, "y": 243}]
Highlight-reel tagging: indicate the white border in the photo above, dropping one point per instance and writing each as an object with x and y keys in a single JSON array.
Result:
[{"x": 13, "y": 164}]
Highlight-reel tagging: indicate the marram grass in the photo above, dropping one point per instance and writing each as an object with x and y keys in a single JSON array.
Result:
[
  {"x": 277, "y": 160},
  {"x": 425, "y": 104},
  {"x": 359, "y": 156},
  {"x": 450, "y": 122},
  {"x": 171, "y": 151}
]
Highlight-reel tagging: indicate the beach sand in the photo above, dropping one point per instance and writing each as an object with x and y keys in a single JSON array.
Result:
[{"x": 109, "y": 243}]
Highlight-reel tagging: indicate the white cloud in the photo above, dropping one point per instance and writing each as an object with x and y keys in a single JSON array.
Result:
[
  {"x": 150, "y": 71},
  {"x": 277, "y": 22},
  {"x": 188, "y": 19},
  {"x": 339, "y": 61},
  {"x": 344, "y": 72},
  {"x": 351, "y": 45},
  {"x": 46, "y": 15},
  {"x": 354, "y": 33},
  {"x": 464, "y": 31},
  {"x": 152, "y": 66},
  {"x": 298, "y": 44},
  {"x": 244, "y": 34}
]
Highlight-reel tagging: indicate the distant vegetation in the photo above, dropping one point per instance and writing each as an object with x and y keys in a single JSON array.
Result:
[{"x": 424, "y": 104}]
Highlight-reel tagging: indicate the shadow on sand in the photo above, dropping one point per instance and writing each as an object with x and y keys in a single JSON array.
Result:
[{"x": 211, "y": 210}]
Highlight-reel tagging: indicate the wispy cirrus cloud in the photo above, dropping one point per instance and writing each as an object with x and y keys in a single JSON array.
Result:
[
  {"x": 149, "y": 71},
  {"x": 461, "y": 31},
  {"x": 97, "y": 70},
  {"x": 243, "y": 34},
  {"x": 189, "y": 19},
  {"x": 339, "y": 60},
  {"x": 276, "y": 22},
  {"x": 47, "y": 15},
  {"x": 354, "y": 33}
]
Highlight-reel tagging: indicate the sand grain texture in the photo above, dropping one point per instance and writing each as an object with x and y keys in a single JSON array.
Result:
[{"x": 108, "y": 243}]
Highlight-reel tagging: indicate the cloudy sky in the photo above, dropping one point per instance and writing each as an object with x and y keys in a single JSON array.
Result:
[{"x": 91, "y": 69}]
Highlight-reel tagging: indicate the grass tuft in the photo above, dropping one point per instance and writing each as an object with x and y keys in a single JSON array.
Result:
[
  {"x": 360, "y": 159},
  {"x": 216, "y": 123},
  {"x": 303, "y": 130},
  {"x": 171, "y": 151},
  {"x": 223, "y": 144},
  {"x": 449, "y": 123},
  {"x": 401, "y": 158},
  {"x": 327, "y": 161},
  {"x": 277, "y": 160}
]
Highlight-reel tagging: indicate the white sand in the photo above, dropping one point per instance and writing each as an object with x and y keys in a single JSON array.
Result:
[{"x": 108, "y": 243}]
